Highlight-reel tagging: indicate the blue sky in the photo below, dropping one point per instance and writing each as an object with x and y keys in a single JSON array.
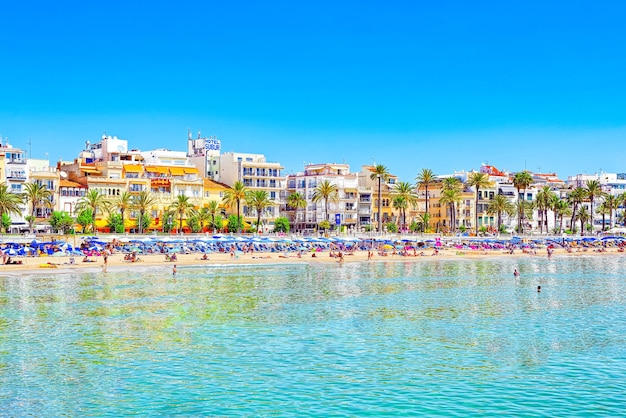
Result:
[{"x": 444, "y": 85}]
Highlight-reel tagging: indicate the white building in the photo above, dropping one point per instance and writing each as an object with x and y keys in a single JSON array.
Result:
[
  {"x": 256, "y": 173},
  {"x": 204, "y": 154},
  {"x": 343, "y": 211}
]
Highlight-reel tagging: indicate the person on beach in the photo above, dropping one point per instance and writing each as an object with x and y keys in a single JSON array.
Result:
[{"x": 174, "y": 271}]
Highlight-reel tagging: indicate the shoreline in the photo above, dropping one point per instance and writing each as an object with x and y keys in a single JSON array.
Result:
[{"x": 47, "y": 265}]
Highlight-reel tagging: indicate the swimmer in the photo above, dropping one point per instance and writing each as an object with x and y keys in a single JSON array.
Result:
[
  {"x": 515, "y": 273},
  {"x": 174, "y": 270},
  {"x": 538, "y": 289}
]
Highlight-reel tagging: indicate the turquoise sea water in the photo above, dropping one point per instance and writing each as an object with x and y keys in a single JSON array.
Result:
[{"x": 426, "y": 337}]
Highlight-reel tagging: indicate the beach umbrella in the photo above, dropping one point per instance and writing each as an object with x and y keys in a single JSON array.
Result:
[{"x": 10, "y": 251}]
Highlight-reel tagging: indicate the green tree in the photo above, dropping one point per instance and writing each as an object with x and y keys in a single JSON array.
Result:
[
  {"x": 213, "y": 209},
  {"x": 594, "y": 191},
  {"x": 561, "y": 209},
  {"x": 281, "y": 224},
  {"x": 543, "y": 202},
  {"x": 381, "y": 174},
  {"x": 93, "y": 200},
  {"x": 235, "y": 195},
  {"x": 405, "y": 191},
  {"x": 424, "y": 179},
  {"x": 235, "y": 223},
  {"x": 6, "y": 221},
  {"x": 9, "y": 204},
  {"x": 325, "y": 191},
  {"x": 115, "y": 223},
  {"x": 182, "y": 207},
  {"x": 500, "y": 205},
  {"x": 324, "y": 225},
  {"x": 85, "y": 218},
  {"x": 575, "y": 199},
  {"x": 218, "y": 222},
  {"x": 204, "y": 217},
  {"x": 296, "y": 201},
  {"x": 400, "y": 204},
  {"x": 142, "y": 202},
  {"x": 603, "y": 210},
  {"x": 521, "y": 181},
  {"x": 391, "y": 227},
  {"x": 583, "y": 217},
  {"x": 193, "y": 222},
  {"x": 144, "y": 221},
  {"x": 611, "y": 202},
  {"x": 37, "y": 196},
  {"x": 478, "y": 180},
  {"x": 123, "y": 203},
  {"x": 61, "y": 221},
  {"x": 259, "y": 200},
  {"x": 450, "y": 196},
  {"x": 167, "y": 223}
]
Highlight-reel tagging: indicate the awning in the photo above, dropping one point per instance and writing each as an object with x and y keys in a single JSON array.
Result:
[
  {"x": 132, "y": 168},
  {"x": 154, "y": 169},
  {"x": 191, "y": 170},
  {"x": 89, "y": 170},
  {"x": 177, "y": 171}
]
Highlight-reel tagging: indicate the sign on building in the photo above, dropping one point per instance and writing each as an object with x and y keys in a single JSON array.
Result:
[{"x": 212, "y": 144}]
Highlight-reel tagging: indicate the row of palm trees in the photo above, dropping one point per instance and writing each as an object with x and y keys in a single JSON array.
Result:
[
  {"x": 38, "y": 196},
  {"x": 404, "y": 196}
]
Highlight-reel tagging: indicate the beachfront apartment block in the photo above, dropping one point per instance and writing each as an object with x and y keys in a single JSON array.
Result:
[
  {"x": 256, "y": 173},
  {"x": 341, "y": 210}
]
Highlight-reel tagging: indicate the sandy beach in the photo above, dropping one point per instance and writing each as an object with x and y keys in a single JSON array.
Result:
[{"x": 116, "y": 262}]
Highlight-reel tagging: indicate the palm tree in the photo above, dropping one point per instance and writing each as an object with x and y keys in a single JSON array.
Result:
[
  {"x": 93, "y": 200},
  {"x": 543, "y": 204},
  {"x": 425, "y": 178},
  {"x": 123, "y": 203},
  {"x": 406, "y": 191},
  {"x": 603, "y": 209},
  {"x": 521, "y": 181},
  {"x": 499, "y": 205},
  {"x": 575, "y": 199},
  {"x": 204, "y": 216},
  {"x": 381, "y": 173},
  {"x": 9, "y": 203},
  {"x": 37, "y": 195},
  {"x": 561, "y": 209},
  {"x": 400, "y": 203},
  {"x": 477, "y": 180},
  {"x": 183, "y": 207},
  {"x": 450, "y": 196},
  {"x": 594, "y": 190},
  {"x": 325, "y": 191},
  {"x": 259, "y": 200},
  {"x": 296, "y": 201},
  {"x": 583, "y": 216},
  {"x": 142, "y": 202},
  {"x": 213, "y": 210},
  {"x": 235, "y": 195},
  {"x": 612, "y": 203}
]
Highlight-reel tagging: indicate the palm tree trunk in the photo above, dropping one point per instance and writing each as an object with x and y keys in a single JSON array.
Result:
[
  {"x": 571, "y": 222},
  {"x": 476, "y": 213},
  {"x": 379, "y": 206}
]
